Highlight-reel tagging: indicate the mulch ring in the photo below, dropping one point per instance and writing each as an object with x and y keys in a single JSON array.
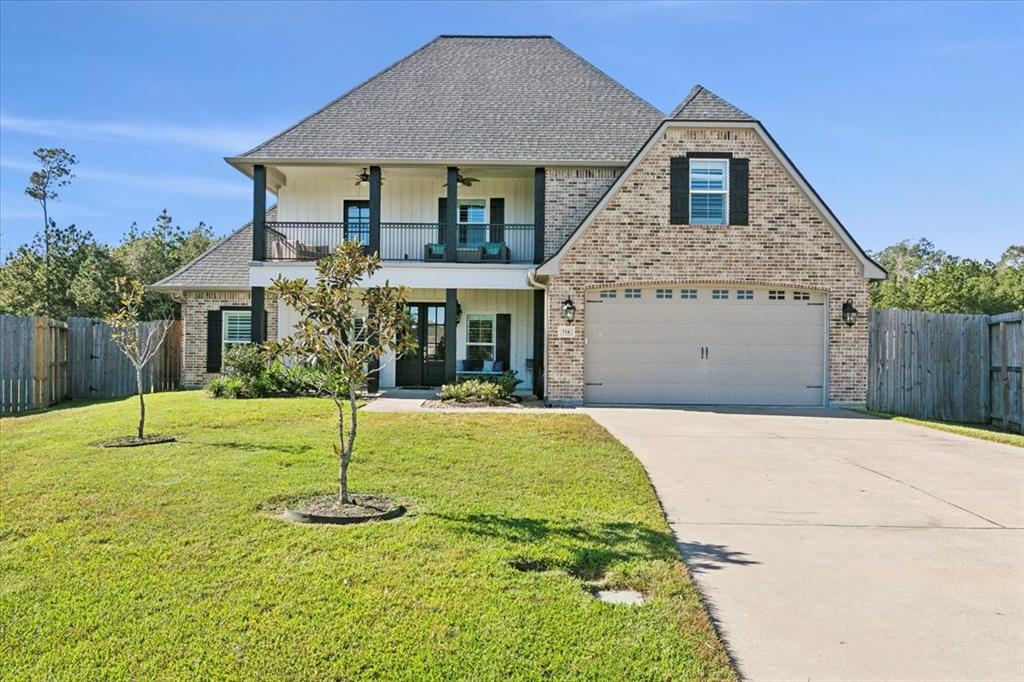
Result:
[
  {"x": 327, "y": 509},
  {"x": 135, "y": 441}
]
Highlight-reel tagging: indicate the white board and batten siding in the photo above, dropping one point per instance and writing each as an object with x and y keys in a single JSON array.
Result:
[
  {"x": 519, "y": 304},
  {"x": 407, "y": 195},
  {"x": 707, "y": 350}
]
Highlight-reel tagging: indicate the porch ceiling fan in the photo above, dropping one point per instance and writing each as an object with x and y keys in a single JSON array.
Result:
[
  {"x": 364, "y": 177},
  {"x": 463, "y": 180}
]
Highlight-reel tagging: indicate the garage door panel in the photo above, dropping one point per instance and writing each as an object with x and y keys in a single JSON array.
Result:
[{"x": 758, "y": 352}]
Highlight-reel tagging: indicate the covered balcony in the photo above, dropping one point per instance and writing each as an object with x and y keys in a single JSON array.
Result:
[{"x": 414, "y": 214}]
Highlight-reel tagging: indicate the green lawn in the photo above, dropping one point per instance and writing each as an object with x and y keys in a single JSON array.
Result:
[
  {"x": 169, "y": 562},
  {"x": 981, "y": 431}
]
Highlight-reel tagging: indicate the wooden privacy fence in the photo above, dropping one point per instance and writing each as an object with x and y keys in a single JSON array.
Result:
[
  {"x": 43, "y": 362},
  {"x": 964, "y": 368}
]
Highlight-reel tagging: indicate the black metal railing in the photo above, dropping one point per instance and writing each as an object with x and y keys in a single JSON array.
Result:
[{"x": 413, "y": 242}]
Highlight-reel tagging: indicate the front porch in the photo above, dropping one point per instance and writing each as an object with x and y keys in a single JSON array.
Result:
[{"x": 494, "y": 330}]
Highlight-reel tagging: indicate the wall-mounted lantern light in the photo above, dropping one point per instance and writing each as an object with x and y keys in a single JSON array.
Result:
[
  {"x": 458, "y": 313},
  {"x": 849, "y": 313},
  {"x": 568, "y": 310}
]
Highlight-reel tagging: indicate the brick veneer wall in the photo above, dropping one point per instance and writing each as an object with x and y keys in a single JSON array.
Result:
[
  {"x": 569, "y": 194},
  {"x": 193, "y": 316},
  {"x": 787, "y": 244}
]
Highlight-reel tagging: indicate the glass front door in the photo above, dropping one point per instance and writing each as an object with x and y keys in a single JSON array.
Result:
[{"x": 424, "y": 366}]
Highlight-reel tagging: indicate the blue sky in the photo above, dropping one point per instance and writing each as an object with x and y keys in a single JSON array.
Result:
[{"x": 907, "y": 118}]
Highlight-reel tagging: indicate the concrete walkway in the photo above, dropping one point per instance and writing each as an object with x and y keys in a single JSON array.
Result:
[{"x": 832, "y": 546}]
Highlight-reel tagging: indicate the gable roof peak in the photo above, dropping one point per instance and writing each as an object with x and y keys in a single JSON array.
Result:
[{"x": 700, "y": 104}]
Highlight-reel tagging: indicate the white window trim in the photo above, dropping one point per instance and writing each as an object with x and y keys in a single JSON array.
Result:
[
  {"x": 493, "y": 345},
  {"x": 224, "y": 341},
  {"x": 725, "y": 191}
]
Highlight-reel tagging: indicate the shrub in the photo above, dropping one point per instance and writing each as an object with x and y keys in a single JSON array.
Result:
[
  {"x": 245, "y": 361},
  {"x": 216, "y": 387},
  {"x": 472, "y": 390},
  {"x": 506, "y": 383}
]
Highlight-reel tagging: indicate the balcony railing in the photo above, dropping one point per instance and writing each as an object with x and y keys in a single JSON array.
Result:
[{"x": 407, "y": 242}]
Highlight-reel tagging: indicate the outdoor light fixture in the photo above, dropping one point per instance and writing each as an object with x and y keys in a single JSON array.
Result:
[
  {"x": 849, "y": 313},
  {"x": 458, "y": 313},
  {"x": 568, "y": 310}
]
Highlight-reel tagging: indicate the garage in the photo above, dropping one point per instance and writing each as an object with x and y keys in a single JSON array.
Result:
[{"x": 705, "y": 345}]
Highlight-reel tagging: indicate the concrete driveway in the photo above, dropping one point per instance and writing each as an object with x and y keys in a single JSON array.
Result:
[{"x": 831, "y": 546}]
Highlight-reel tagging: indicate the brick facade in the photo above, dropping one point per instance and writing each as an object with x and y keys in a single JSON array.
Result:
[
  {"x": 193, "y": 316},
  {"x": 569, "y": 194},
  {"x": 788, "y": 243}
]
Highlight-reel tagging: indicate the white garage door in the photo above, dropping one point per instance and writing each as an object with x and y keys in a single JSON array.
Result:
[{"x": 705, "y": 345}]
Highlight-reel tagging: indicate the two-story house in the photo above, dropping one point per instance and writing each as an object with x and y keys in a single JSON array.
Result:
[{"x": 551, "y": 222}]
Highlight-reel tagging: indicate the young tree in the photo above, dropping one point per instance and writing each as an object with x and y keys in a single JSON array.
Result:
[
  {"x": 42, "y": 186},
  {"x": 343, "y": 331},
  {"x": 138, "y": 347}
]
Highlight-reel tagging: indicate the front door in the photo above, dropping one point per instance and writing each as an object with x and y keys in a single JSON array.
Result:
[{"x": 424, "y": 366}]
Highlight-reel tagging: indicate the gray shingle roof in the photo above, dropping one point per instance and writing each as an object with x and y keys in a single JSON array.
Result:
[
  {"x": 225, "y": 265},
  {"x": 703, "y": 105},
  {"x": 476, "y": 98}
]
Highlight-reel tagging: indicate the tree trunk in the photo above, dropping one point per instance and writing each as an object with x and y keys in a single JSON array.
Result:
[
  {"x": 142, "y": 401},
  {"x": 342, "y": 459}
]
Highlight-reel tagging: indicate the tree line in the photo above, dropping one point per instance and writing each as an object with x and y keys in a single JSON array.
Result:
[
  {"x": 922, "y": 277},
  {"x": 63, "y": 271}
]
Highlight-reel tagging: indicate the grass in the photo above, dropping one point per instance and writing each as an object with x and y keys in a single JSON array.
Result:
[
  {"x": 170, "y": 562},
  {"x": 980, "y": 431}
]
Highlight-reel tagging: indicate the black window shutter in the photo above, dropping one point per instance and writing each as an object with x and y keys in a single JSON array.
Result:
[
  {"x": 497, "y": 220},
  {"x": 739, "y": 192},
  {"x": 503, "y": 340},
  {"x": 213, "y": 340},
  {"x": 679, "y": 191},
  {"x": 442, "y": 217}
]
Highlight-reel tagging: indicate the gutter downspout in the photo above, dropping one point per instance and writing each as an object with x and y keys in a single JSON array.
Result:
[{"x": 539, "y": 333}]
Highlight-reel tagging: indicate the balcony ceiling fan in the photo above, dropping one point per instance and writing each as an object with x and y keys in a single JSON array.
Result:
[
  {"x": 463, "y": 180},
  {"x": 364, "y": 178}
]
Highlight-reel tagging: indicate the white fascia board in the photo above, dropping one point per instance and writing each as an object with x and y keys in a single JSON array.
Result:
[
  {"x": 869, "y": 269},
  {"x": 412, "y": 275}
]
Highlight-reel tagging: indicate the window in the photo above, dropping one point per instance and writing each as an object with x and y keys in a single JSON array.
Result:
[
  {"x": 608, "y": 293},
  {"x": 709, "y": 189},
  {"x": 801, "y": 296},
  {"x": 357, "y": 221},
  {"x": 236, "y": 329},
  {"x": 688, "y": 294},
  {"x": 472, "y": 212},
  {"x": 631, "y": 293},
  {"x": 776, "y": 295},
  {"x": 744, "y": 294},
  {"x": 663, "y": 293},
  {"x": 480, "y": 337},
  {"x": 720, "y": 294}
]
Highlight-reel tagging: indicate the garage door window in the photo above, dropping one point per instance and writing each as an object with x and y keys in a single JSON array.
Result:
[
  {"x": 709, "y": 189},
  {"x": 688, "y": 294},
  {"x": 608, "y": 293},
  {"x": 663, "y": 293},
  {"x": 801, "y": 296},
  {"x": 744, "y": 294},
  {"x": 720, "y": 294},
  {"x": 776, "y": 295},
  {"x": 631, "y": 293}
]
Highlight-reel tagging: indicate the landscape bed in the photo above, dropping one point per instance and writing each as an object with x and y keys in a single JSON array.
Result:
[{"x": 175, "y": 561}]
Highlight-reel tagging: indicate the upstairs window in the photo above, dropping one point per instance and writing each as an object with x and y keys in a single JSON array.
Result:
[
  {"x": 357, "y": 221},
  {"x": 709, "y": 191}
]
